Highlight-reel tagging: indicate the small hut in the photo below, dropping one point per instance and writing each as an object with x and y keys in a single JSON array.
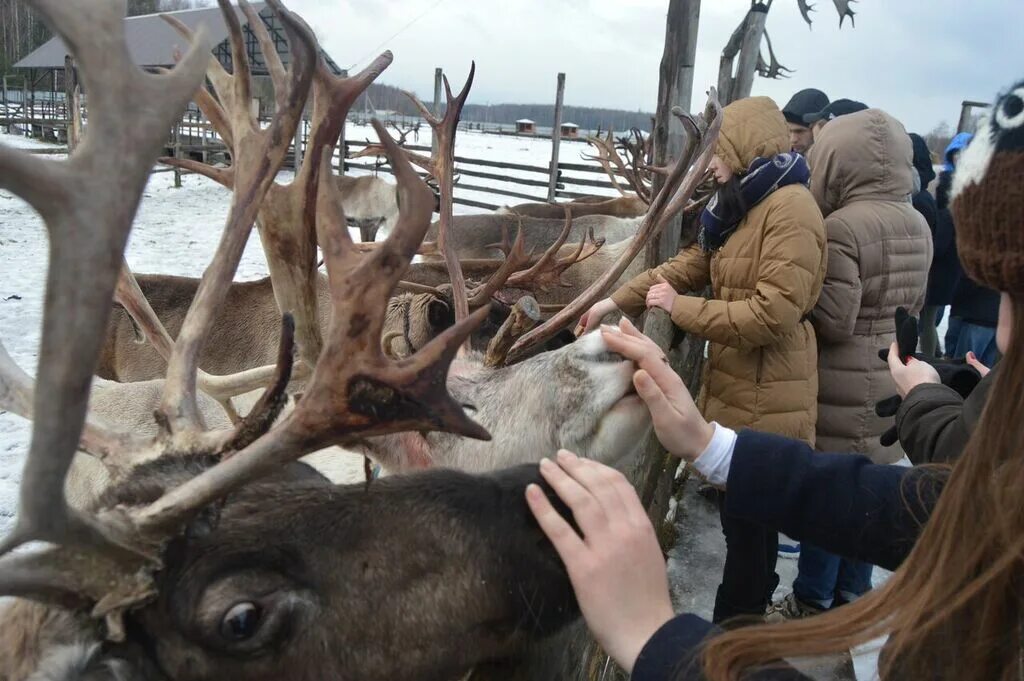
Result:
[
  {"x": 524, "y": 126},
  {"x": 570, "y": 130}
]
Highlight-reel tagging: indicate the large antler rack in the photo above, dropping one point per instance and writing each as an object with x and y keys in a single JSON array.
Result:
[
  {"x": 685, "y": 174},
  {"x": 442, "y": 166},
  {"x": 286, "y": 215},
  {"x": 105, "y": 561},
  {"x": 634, "y": 169},
  {"x": 88, "y": 223}
]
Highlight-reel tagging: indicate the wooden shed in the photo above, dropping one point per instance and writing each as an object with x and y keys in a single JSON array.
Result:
[
  {"x": 524, "y": 126},
  {"x": 570, "y": 130}
]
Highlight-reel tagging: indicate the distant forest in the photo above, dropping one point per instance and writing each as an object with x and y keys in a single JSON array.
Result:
[{"x": 390, "y": 98}]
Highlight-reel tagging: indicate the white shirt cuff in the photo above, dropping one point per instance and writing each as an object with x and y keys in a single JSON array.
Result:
[{"x": 714, "y": 462}]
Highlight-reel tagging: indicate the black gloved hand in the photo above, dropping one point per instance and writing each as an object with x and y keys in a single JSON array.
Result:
[{"x": 956, "y": 373}]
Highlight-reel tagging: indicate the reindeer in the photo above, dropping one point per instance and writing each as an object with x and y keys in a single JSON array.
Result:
[
  {"x": 183, "y": 570},
  {"x": 619, "y": 207}
]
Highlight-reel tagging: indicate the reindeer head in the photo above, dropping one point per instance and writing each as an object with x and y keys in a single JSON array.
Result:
[
  {"x": 414, "y": 577},
  {"x": 578, "y": 397}
]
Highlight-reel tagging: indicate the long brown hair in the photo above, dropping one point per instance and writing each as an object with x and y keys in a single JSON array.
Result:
[{"x": 953, "y": 609}]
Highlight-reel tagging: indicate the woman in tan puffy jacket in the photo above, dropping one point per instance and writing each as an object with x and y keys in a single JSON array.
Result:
[
  {"x": 879, "y": 252},
  {"x": 762, "y": 250}
]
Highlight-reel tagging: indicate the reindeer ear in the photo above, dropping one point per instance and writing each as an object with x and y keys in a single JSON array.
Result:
[{"x": 439, "y": 314}]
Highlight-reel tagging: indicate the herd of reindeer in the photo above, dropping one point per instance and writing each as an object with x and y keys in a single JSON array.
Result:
[{"x": 196, "y": 501}]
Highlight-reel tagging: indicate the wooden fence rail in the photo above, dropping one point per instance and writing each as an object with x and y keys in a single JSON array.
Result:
[{"x": 478, "y": 179}]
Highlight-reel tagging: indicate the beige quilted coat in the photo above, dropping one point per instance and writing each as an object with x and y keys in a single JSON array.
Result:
[{"x": 879, "y": 251}]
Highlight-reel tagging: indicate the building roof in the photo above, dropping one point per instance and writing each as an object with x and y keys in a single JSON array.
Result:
[
  {"x": 151, "y": 40},
  {"x": 569, "y": 125},
  {"x": 521, "y": 120}
]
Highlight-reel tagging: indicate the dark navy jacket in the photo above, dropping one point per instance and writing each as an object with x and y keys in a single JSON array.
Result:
[{"x": 843, "y": 503}]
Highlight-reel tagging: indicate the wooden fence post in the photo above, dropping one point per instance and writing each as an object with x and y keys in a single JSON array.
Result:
[
  {"x": 437, "y": 109},
  {"x": 750, "y": 47},
  {"x": 72, "y": 93},
  {"x": 177, "y": 153},
  {"x": 653, "y": 475},
  {"x": 341, "y": 137},
  {"x": 556, "y": 137}
]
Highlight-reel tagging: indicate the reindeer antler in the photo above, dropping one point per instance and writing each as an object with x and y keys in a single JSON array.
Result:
[
  {"x": 773, "y": 69},
  {"x": 106, "y": 561},
  {"x": 355, "y": 390},
  {"x": 88, "y": 224},
  {"x": 442, "y": 167},
  {"x": 685, "y": 175},
  {"x": 609, "y": 159}
]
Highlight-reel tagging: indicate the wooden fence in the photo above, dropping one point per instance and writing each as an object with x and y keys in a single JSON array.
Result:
[{"x": 46, "y": 118}]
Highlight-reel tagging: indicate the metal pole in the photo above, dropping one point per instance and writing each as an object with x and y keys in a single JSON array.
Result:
[
  {"x": 437, "y": 108},
  {"x": 556, "y": 137}
]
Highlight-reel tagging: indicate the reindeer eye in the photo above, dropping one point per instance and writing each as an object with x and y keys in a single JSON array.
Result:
[{"x": 241, "y": 621}]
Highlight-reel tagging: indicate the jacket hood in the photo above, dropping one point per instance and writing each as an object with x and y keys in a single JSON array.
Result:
[
  {"x": 802, "y": 103},
  {"x": 958, "y": 143},
  {"x": 752, "y": 127},
  {"x": 864, "y": 155},
  {"x": 922, "y": 160}
]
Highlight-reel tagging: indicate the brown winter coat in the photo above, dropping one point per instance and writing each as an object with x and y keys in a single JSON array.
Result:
[
  {"x": 762, "y": 360},
  {"x": 879, "y": 251}
]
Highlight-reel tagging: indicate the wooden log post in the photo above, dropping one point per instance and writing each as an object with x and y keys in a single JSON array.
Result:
[
  {"x": 177, "y": 154},
  {"x": 556, "y": 136},
  {"x": 297, "y": 161},
  {"x": 438, "y": 77},
  {"x": 524, "y": 316},
  {"x": 750, "y": 47},
  {"x": 654, "y": 469},
  {"x": 341, "y": 136}
]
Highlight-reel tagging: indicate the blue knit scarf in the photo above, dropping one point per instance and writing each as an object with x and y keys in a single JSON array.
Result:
[{"x": 764, "y": 176}]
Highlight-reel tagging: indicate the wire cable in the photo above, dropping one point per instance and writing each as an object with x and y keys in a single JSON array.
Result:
[{"x": 396, "y": 34}]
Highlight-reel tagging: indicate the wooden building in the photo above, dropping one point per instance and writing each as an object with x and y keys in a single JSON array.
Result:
[{"x": 524, "y": 126}]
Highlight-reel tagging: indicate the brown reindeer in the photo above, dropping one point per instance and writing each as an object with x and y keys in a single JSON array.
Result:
[{"x": 183, "y": 570}]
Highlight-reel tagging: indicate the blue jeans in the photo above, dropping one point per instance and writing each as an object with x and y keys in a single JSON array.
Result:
[
  {"x": 823, "y": 576},
  {"x": 981, "y": 340}
]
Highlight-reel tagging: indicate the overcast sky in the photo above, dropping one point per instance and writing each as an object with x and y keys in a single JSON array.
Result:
[{"x": 915, "y": 58}]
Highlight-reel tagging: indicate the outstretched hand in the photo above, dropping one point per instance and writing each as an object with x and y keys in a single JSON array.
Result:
[
  {"x": 614, "y": 562},
  {"x": 677, "y": 422}
]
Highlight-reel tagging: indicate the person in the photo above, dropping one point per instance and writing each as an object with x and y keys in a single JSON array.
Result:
[
  {"x": 761, "y": 247},
  {"x": 933, "y": 421},
  {"x": 973, "y": 308},
  {"x": 952, "y": 609},
  {"x": 879, "y": 250},
  {"x": 840, "y": 107},
  {"x": 799, "y": 105},
  {"x": 944, "y": 271}
]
